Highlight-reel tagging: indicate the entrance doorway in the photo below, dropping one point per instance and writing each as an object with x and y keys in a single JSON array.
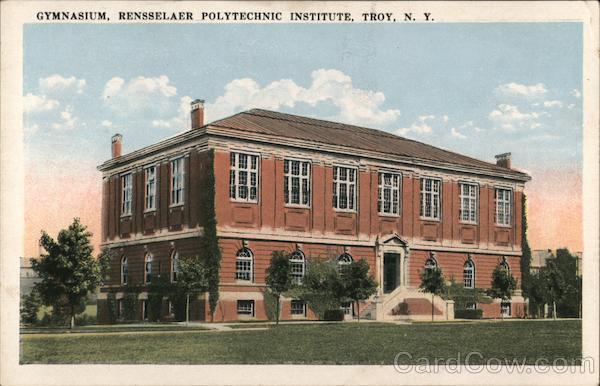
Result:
[{"x": 391, "y": 272}]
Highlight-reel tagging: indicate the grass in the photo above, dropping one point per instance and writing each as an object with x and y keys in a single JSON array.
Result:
[
  {"x": 342, "y": 343},
  {"x": 110, "y": 328}
]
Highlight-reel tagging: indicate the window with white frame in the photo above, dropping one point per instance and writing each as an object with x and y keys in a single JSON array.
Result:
[
  {"x": 347, "y": 308},
  {"x": 503, "y": 206},
  {"x": 469, "y": 274},
  {"x": 504, "y": 265},
  {"x": 298, "y": 307},
  {"x": 470, "y": 305},
  {"x": 505, "y": 308},
  {"x": 343, "y": 260},
  {"x": 243, "y": 177},
  {"x": 148, "y": 268},
  {"x": 431, "y": 263},
  {"x": 177, "y": 181},
  {"x": 145, "y": 309},
  {"x": 344, "y": 188},
  {"x": 430, "y": 198},
  {"x": 126, "y": 191},
  {"x": 298, "y": 265},
  {"x": 296, "y": 182},
  {"x": 243, "y": 265},
  {"x": 174, "y": 265},
  {"x": 120, "y": 308},
  {"x": 150, "y": 190},
  {"x": 389, "y": 193},
  {"x": 245, "y": 307},
  {"x": 124, "y": 270},
  {"x": 468, "y": 203}
]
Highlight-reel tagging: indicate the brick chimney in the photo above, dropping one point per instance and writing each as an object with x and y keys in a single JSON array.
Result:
[
  {"x": 503, "y": 160},
  {"x": 197, "y": 113},
  {"x": 116, "y": 145}
]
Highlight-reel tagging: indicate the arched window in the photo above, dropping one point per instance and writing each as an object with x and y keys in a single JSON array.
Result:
[
  {"x": 431, "y": 262},
  {"x": 343, "y": 260},
  {"x": 469, "y": 274},
  {"x": 148, "y": 268},
  {"x": 298, "y": 266},
  {"x": 504, "y": 265},
  {"x": 174, "y": 266},
  {"x": 243, "y": 264},
  {"x": 124, "y": 270}
]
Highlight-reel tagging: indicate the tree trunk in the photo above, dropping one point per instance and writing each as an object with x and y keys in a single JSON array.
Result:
[
  {"x": 432, "y": 307},
  {"x": 277, "y": 313},
  {"x": 72, "y": 324},
  {"x": 357, "y": 312},
  {"x": 554, "y": 310},
  {"x": 187, "y": 310}
]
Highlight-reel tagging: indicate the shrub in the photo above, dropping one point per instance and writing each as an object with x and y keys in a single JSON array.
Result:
[
  {"x": 468, "y": 314},
  {"x": 334, "y": 315},
  {"x": 111, "y": 304},
  {"x": 30, "y": 305},
  {"x": 84, "y": 320},
  {"x": 130, "y": 306}
]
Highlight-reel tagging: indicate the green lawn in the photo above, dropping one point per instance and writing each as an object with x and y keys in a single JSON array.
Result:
[{"x": 342, "y": 343}]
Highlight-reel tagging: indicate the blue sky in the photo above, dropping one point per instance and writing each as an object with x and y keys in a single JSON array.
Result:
[{"x": 475, "y": 88}]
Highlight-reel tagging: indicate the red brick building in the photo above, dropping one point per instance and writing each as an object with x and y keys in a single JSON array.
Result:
[{"x": 318, "y": 190}]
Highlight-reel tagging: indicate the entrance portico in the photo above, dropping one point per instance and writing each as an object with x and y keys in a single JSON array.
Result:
[{"x": 392, "y": 258}]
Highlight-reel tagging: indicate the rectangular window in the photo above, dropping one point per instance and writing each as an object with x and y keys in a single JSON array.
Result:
[
  {"x": 177, "y": 186},
  {"x": 430, "y": 199},
  {"x": 344, "y": 188},
  {"x": 296, "y": 182},
  {"x": 389, "y": 193},
  {"x": 150, "y": 191},
  {"x": 505, "y": 308},
  {"x": 245, "y": 307},
  {"x": 347, "y": 308},
  {"x": 243, "y": 177},
  {"x": 126, "y": 188},
  {"x": 298, "y": 307},
  {"x": 468, "y": 203},
  {"x": 503, "y": 207}
]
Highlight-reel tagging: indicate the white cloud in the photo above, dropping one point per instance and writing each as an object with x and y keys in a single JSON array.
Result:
[
  {"x": 420, "y": 126},
  {"x": 356, "y": 106},
  {"x": 575, "y": 93},
  {"x": 139, "y": 94},
  {"x": 445, "y": 118},
  {"x": 571, "y": 106},
  {"x": 455, "y": 133},
  {"x": 516, "y": 89},
  {"x": 509, "y": 117},
  {"x": 181, "y": 121},
  {"x": 553, "y": 104},
  {"x": 67, "y": 120},
  {"x": 106, "y": 123},
  {"x": 56, "y": 82},
  {"x": 33, "y": 103}
]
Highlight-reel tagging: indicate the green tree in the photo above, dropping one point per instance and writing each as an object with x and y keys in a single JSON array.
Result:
[
  {"x": 503, "y": 284},
  {"x": 568, "y": 305},
  {"x": 462, "y": 296},
  {"x": 191, "y": 280},
  {"x": 525, "y": 251},
  {"x": 279, "y": 278},
  {"x": 554, "y": 283},
  {"x": 30, "y": 304},
  {"x": 68, "y": 271},
  {"x": 537, "y": 293},
  {"x": 432, "y": 281},
  {"x": 158, "y": 289},
  {"x": 321, "y": 287},
  {"x": 356, "y": 282}
]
